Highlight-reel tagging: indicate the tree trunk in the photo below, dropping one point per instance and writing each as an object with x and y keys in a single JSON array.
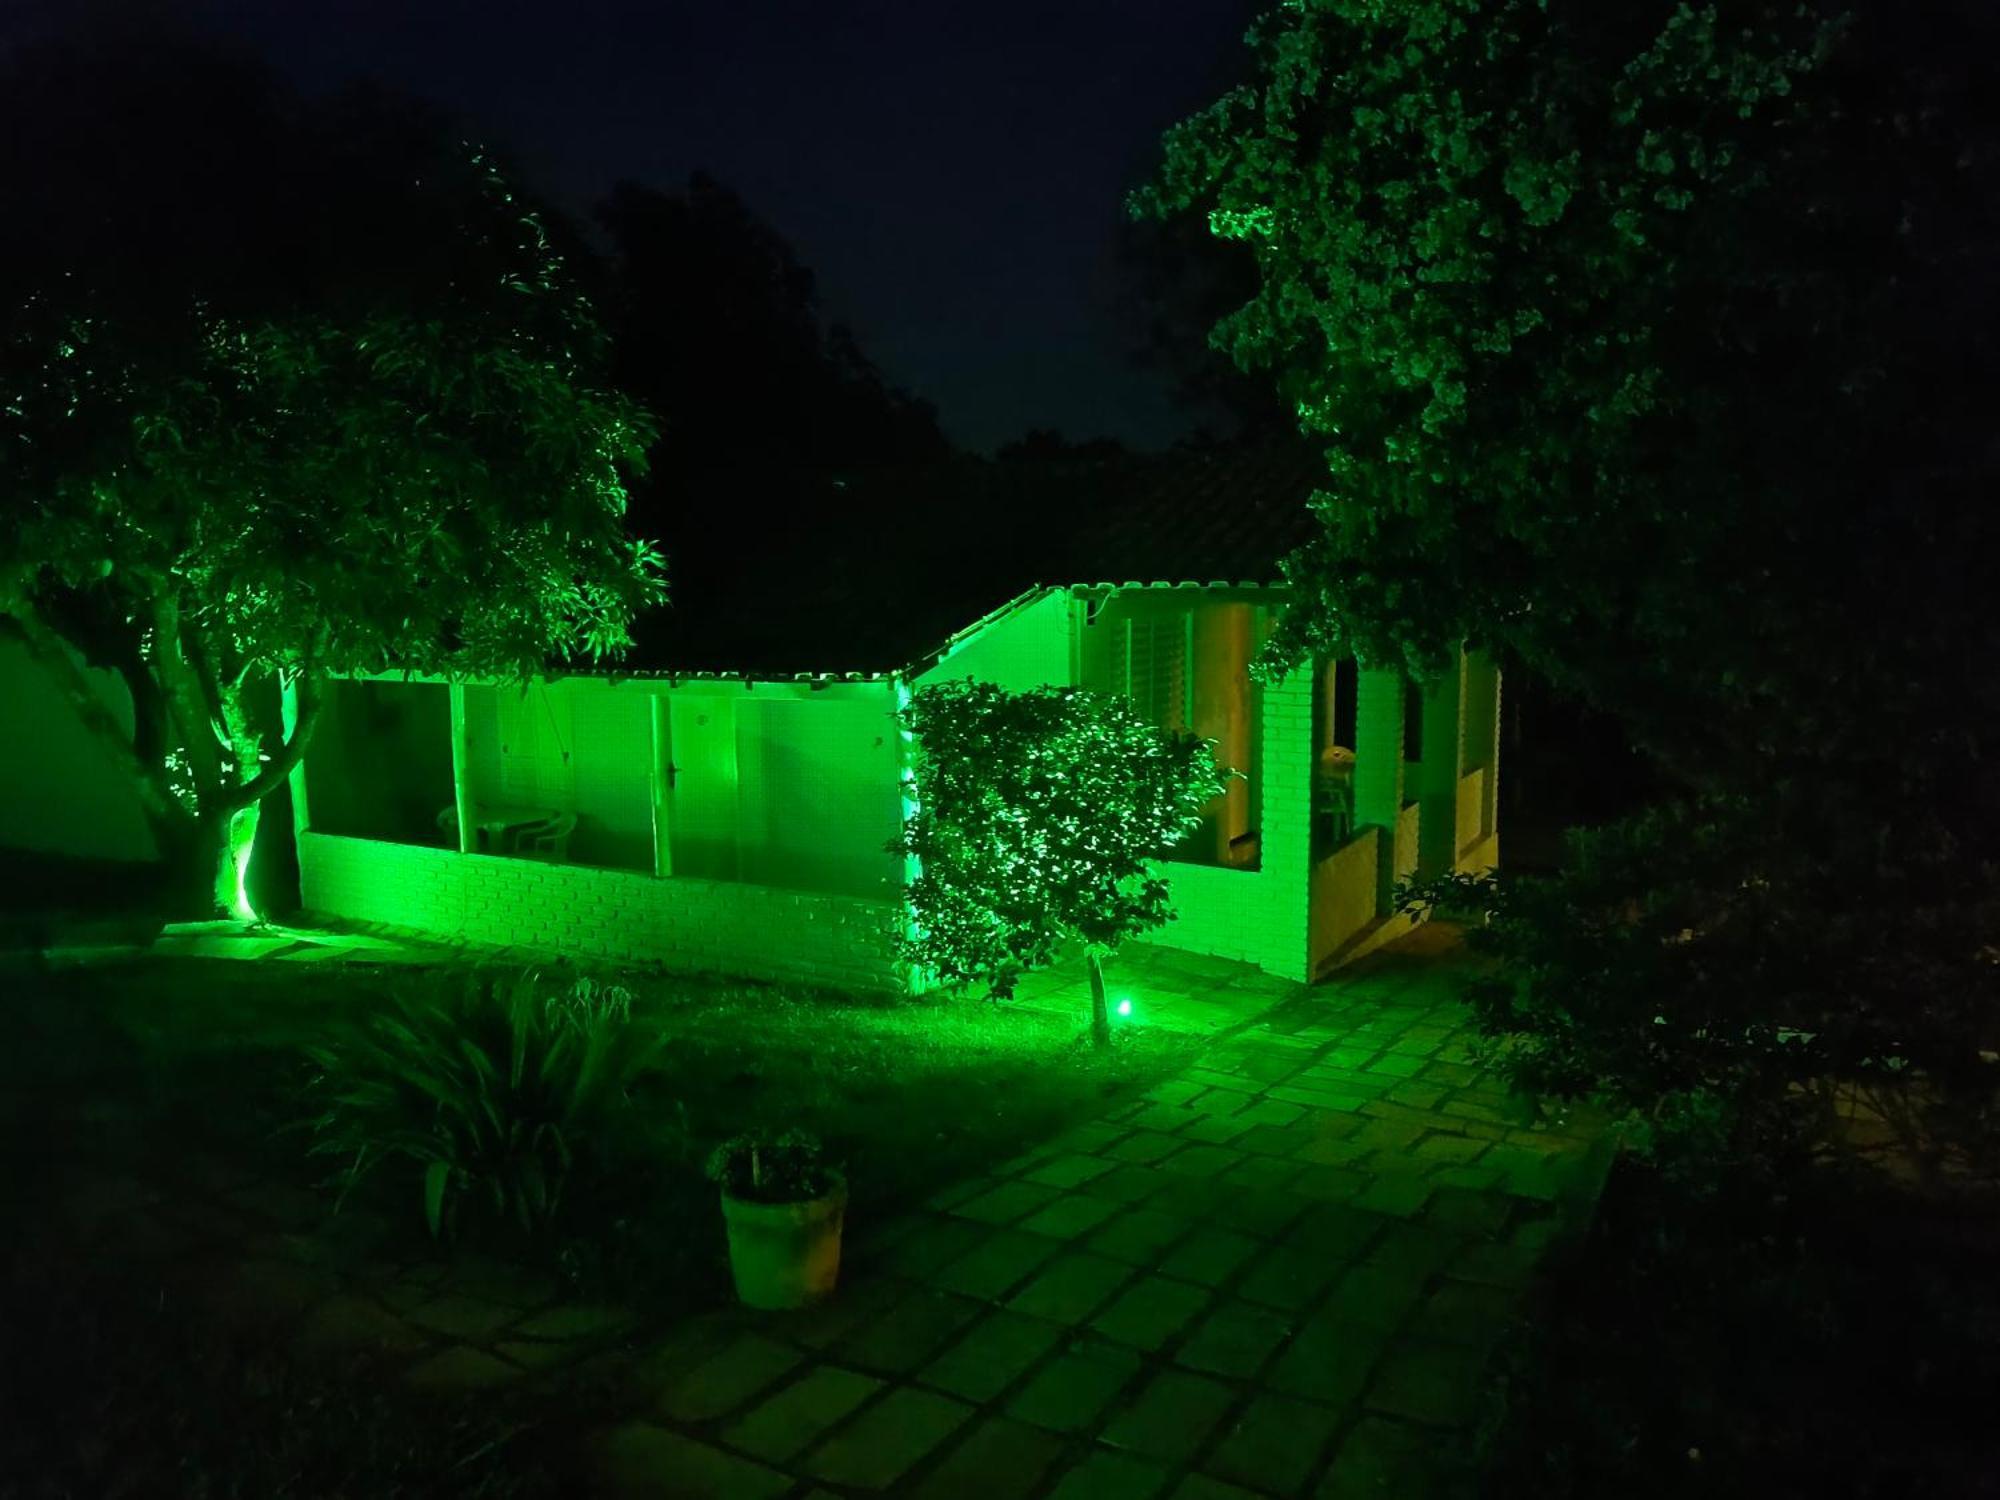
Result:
[
  {"x": 198, "y": 868},
  {"x": 1100, "y": 1013}
]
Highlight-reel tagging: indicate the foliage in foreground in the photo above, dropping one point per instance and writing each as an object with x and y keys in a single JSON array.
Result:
[
  {"x": 1651, "y": 346},
  {"x": 1835, "y": 1338},
  {"x": 1695, "y": 972},
  {"x": 1038, "y": 815},
  {"x": 496, "y": 1090},
  {"x": 112, "y": 1391}
]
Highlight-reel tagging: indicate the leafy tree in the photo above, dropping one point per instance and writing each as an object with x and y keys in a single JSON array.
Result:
[
  {"x": 286, "y": 390},
  {"x": 1652, "y": 345},
  {"x": 1037, "y": 817}
]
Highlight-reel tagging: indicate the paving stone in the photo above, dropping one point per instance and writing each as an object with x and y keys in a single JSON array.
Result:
[
  {"x": 1464, "y": 1312},
  {"x": 1332, "y": 1151},
  {"x": 1171, "y": 1418},
  {"x": 465, "y": 1318},
  {"x": 1336, "y": 1231},
  {"x": 1418, "y": 1095},
  {"x": 1071, "y": 1289},
  {"x": 351, "y": 1324},
  {"x": 726, "y": 1380},
  {"x": 1215, "y": 1129},
  {"x": 1090, "y": 1138},
  {"x": 1376, "y": 1295},
  {"x": 1275, "y": 1446},
  {"x": 1193, "y": 1198},
  {"x": 639, "y": 1461},
  {"x": 1276, "y": 1140},
  {"x": 882, "y": 1444},
  {"x": 795, "y": 1417},
  {"x": 1144, "y": 1146},
  {"x": 1269, "y": 1114},
  {"x": 576, "y": 1320},
  {"x": 1068, "y": 1171},
  {"x": 997, "y": 1350},
  {"x": 1201, "y": 1161},
  {"x": 1006, "y": 1203},
  {"x": 1174, "y": 1091},
  {"x": 1209, "y": 1256},
  {"x": 1415, "y": 1249},
  {"x": 999, "y": 1264},
  {"x": 909, "y": 1333},
  {"x": 1326, "y": 1184},
  {"x": 1473, "y": 1179},
  {"x": 1129, "y": 1183},
  {"x": 1263, "y": 1213},
  {"x": 1137, "y": 1237},
  {"x": 1201, "y": 1487},
  {"x": 1071, "y": 1391},
  {"x": 1288, "y": 1278},
  {"x": 1383, "y": 1459},
  {"x": 1449, "y": 1150},
  {"x": 1111, "y": 1476},
  {"x": 963, "y": 1192},
  {"x": 1400, "y": 1194},
  {"x": 1150, "y": 1312},
  {"x": 461, "y": 1368},
  {"x": 933, "y": 1244},
  {"x": 1497, "y": 1265},
  {"x": 1070, "y": 1216},
  {"x": 852, "y": 1305},
  {"x": 999, "y": 1459},
  {"x": 1167, "y": 1119},
  {"x": 1392, "y": 1134},
  {"x": 1235, "y": 1339},
  {"x": 1437, "y": 1384},
  {"x": 1328, "y": 1360},
  {"x": 1397, "y": 1065},
  {"x": 1262, "y": 1172}
]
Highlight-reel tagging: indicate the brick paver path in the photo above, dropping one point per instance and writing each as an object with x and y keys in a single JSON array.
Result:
[{"x": 1281, "y": 1273}]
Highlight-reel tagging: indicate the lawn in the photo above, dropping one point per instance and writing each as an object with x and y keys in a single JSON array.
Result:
[{"x": 179, "y": 1086}]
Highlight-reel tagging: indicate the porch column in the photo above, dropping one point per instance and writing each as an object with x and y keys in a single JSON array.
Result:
[
  {"x": 1378, "y": 768},
  {"x": 1438, "y": 772},
  {"x": 461, "y": 786},
  {"x": 659, "y": 785}
]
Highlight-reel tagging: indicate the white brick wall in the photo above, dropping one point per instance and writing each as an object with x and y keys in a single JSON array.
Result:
[
  {"x": 752, "y": 930},
  {"x": 1259, "y": 916}
]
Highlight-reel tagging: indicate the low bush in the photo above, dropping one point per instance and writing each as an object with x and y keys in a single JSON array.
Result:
[{"x": 496, "y": 1090}]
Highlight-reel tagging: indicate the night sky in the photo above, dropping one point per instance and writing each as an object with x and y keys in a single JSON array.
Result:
[{"x": 952, "y": 171}]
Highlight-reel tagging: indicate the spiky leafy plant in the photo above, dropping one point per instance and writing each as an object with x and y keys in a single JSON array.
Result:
[{"x": 494, "y": 1089}]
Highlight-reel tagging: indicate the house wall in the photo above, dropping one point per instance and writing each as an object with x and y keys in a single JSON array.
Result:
[
  {"x": 1024, "y": 647},
  {"x": 1259, "y": 916},
  {"x": 786, "y": 798},
  {"x": 727, "y": 927},
  {"x": 66, "y": 793}
]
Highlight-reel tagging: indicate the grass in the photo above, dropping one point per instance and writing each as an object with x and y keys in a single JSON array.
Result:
[
  {"x": 135, "y": 1066},
  {"x": 158, "y": 1073}
]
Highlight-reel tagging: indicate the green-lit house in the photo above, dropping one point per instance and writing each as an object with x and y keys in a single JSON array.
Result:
[{"x": 738, "y": 820}]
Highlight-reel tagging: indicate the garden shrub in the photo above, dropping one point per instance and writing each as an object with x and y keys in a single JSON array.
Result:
[{"x": 496, "y": 1089}]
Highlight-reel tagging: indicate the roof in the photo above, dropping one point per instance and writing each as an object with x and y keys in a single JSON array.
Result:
[{"x": 781, "y": 576}]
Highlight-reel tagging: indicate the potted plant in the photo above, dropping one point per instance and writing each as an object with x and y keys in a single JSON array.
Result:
[{"x": 783, "y": 1206}]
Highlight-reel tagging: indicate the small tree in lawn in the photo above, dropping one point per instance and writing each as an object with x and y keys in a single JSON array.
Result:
[{"x": 1036, "y": 816}]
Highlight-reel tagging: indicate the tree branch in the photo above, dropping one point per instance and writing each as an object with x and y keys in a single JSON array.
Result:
[{"x": 280, "y": 765}]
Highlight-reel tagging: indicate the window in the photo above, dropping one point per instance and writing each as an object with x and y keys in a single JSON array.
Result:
[{"x": 1413, "y": 720}]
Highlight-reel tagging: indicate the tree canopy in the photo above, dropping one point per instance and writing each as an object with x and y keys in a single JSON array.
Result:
[
  {"x": 288, "y": 387},
  {"x": 1653, "y": 345}
]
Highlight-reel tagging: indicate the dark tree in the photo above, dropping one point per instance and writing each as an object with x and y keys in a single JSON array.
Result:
[{"x": 1654, "y": 346}]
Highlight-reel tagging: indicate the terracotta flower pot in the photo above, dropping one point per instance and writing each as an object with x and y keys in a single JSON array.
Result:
[{"x": 785, "y": 1255}]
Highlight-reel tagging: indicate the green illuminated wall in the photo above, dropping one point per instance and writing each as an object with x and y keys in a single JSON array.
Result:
[
  {"x": 64, "y": 792},
  {"x": 777, "y": 800}
]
